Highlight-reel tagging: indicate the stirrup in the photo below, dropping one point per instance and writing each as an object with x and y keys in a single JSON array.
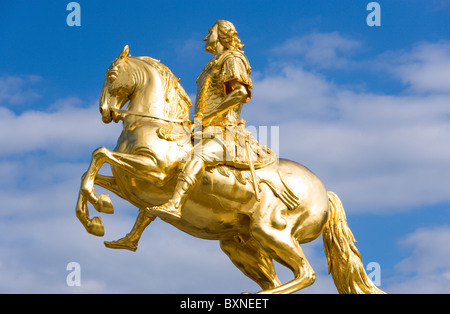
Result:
[{"x": 165, "y": 211}]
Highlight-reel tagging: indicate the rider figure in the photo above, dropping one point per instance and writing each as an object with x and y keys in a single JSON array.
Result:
[{"x": 223, "y": 87}]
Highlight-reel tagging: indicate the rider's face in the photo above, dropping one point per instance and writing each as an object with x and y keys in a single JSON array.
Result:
[{"x": 211, "y": 39}]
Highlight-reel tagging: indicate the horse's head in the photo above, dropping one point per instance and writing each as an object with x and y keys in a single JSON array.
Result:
[
  {"x": 117, "y": 88},
  {"x": 145, "y": 82}
]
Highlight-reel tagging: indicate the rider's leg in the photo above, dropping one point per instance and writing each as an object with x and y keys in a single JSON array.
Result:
[
  {"x": 209, "y": 152},
  {"x": 187, "y": 180},
  {"x": 130, "y": 241}
]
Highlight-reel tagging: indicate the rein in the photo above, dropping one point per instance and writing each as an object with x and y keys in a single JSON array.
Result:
[{"x": 149, "y": 116}]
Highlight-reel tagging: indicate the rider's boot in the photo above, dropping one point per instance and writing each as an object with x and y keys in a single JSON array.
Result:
[
  {"x": 187, "y": 180},
  {"x": 130, "y": 241}
]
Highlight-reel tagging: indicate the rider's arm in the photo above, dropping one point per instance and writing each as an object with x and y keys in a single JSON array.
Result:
[{"x": 237, "y": 94}]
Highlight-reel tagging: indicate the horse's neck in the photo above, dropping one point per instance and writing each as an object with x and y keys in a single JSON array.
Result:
[
  {"x": 148, "y": 96},
  {"x": 157, "y": 92}
]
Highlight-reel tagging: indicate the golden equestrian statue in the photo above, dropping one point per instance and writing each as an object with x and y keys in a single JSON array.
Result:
[{"x": 210, "y": 177}]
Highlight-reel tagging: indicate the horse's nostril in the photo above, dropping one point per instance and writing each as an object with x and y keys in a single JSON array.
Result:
[{"x": 103, "y": 109}]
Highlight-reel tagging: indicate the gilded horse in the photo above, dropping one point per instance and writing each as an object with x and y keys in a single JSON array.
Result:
[{"x": 155, "y": 143}]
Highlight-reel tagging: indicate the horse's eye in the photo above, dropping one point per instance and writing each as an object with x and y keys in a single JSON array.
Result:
[
  {"x": 111, "y": 78},
  {"x": 112, "y": 73}
]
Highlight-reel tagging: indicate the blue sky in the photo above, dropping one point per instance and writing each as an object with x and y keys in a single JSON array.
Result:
[{"x": 366, "y": 108}]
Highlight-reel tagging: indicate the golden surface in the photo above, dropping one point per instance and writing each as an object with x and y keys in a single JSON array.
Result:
[{"x": 210, "y": 178}]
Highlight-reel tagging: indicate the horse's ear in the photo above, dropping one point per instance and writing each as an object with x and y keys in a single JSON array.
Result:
[{"x": 124, "y": 52}]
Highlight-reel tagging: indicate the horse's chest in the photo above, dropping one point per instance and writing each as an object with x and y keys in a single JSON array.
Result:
[{"x": 136, "y": 137}]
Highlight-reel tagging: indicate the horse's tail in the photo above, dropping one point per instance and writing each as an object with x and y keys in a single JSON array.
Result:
[{"x": 344, "y": 260}]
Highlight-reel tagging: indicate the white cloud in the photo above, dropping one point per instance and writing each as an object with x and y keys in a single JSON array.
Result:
[
  {"x": 429, "y": 254},
  {"x": 192, "y": 46},
  {"x": 34, "y": 259},
  {"x": 324, "y": 50},
  {"x": 427, "y": 269},
  {"x": 15, "y": 90},
  {"x": 379, "y": 151},
  {"x": 426, "y": 68},
  {"x": 62, "y": 131},
  {"x": 289, "y": 94}
]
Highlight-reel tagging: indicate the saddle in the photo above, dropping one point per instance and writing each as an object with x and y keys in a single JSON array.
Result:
[
  {"x": 265, "y": 159},
  {"x": 268, "y": 175}
]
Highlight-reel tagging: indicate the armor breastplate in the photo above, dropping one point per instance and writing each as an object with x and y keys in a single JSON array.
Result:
[{"x": 211, "y": 92}]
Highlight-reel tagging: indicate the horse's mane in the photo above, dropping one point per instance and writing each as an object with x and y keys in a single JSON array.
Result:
[{"x": 176, "y": 98}]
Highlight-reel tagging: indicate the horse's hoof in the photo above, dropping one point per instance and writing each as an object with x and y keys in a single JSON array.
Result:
[
  {"x": 95, "y": 227},
  {"x": 105, "y": 205}
]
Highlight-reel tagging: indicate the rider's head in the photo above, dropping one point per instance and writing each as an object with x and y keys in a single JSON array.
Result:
[
  {"x": 222, "y": 34},
  {"x": 228, "y": 35}
]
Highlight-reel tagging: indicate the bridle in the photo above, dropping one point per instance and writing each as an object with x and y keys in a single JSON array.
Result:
[{"x": 142, "y": 114}]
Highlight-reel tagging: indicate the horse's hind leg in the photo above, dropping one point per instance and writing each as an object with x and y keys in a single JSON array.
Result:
[
  {"x": 281, "y": 246},
  {"x": 287, "y": 252},
  {"x": 252, "y": 261},
  {"x": 291, "y": 255}
]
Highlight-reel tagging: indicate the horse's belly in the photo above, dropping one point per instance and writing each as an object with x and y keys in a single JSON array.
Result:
[
  {"x": 204, "y": 222},
  {"x": 215, "y": 209}
]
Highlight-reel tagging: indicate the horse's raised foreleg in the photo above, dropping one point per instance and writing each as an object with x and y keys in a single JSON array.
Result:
[
  {"x": 108, "y": 183},
  {"x": 93, "y": 226},
  {"x": 138, "y": 165}
]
